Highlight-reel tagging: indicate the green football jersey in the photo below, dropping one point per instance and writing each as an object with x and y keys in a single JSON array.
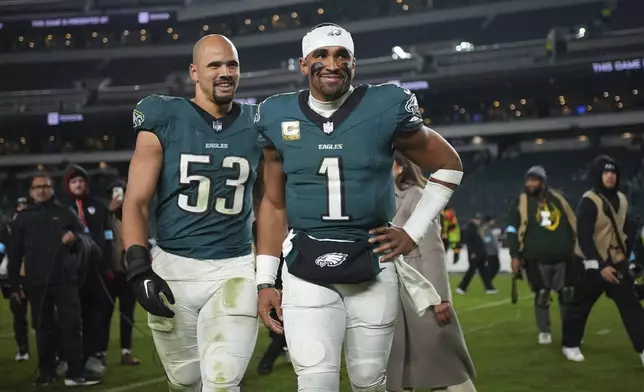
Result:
[
  {"x": 339, "y": 183},
  {"x": 204, "y": 193}
]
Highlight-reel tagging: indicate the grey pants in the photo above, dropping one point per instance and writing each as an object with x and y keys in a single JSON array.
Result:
[{"x": 544, "y": 279}]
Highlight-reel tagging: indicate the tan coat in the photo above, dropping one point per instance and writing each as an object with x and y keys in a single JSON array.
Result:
[{"x": 423, "y": 354}]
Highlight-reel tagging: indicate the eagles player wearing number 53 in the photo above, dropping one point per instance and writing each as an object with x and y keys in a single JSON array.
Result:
[
  {"x": 199, "y": 157},
  {"x": 327, "y": 172}
]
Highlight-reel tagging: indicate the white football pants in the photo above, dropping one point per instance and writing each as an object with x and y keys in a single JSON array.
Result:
[
  {"x": 212, "y": 336},
  {"x": 318, "y": 319}
]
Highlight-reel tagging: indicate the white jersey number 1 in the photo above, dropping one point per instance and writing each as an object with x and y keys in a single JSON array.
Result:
[{"x": 331, "y": 168}]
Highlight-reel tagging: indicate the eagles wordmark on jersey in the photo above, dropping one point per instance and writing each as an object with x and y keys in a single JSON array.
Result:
[{"x": 204, "y": 201}]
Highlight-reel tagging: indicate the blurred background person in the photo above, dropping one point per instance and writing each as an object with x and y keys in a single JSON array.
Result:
[
  {"x": 541, "y": 233},
  {"x": 492, "y": 247},
  {"x": 451, "y": 232},
  {"x": 51, "y": 239},
  {"x": 477, "y": 256},
  {"x": 428, "y": 351},
  {"x": 603, "y": 250},
  {"x": 97, "y": 220},
  {"x": 115, "y": 280},
  {"x": 19, "y": 308}
]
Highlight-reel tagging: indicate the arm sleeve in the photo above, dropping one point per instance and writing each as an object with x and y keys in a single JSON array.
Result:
[
  {"x": 586, "y": 218},
  {"x": 408, "y": 117},
  {"x": 512, "y": 231},
  {"x": 15, "y": 251},
  {"x": 150, "y": 115}
]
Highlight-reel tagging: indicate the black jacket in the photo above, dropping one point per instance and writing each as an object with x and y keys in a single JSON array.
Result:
[
  {"x": 36, "y": 236},
  {"x": 474, "y": 242},
  {"x": 98, "y": 219}
]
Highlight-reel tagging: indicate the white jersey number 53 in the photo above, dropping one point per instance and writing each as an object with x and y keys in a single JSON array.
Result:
[{"x": 203, "y": 189}]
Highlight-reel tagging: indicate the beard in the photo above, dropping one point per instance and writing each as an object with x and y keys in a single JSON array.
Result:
[
  {"x": 222, "y": 99},
  {"x": 331, "y": 91},
  {"x": 533, "y": 191}
]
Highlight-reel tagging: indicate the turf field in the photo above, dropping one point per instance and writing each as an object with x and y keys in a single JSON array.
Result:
[{"x": 501, "y": 338}]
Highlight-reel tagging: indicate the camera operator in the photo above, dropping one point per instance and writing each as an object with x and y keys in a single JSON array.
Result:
[
  {"x": 117, "y": 285},
  {"x": 96, "y": 218},
  {"x": 50, "y": 238},
  {"x": 18, "y": 308}
]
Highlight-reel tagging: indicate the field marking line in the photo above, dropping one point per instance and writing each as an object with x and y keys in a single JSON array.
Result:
[
  {"x": 135, "y": 385},
  {"x": 490, "y": 304},
  {"x": 492, "y": 325}
]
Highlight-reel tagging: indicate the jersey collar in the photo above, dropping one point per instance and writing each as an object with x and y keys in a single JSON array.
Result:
[
  {"x": 218, "y": 124},
  {"x": 339, "y": 116}
]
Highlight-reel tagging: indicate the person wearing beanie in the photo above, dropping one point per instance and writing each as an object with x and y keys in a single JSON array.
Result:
[
  {"x": 96, "y": 218},
  {"x": 603, "y": 251},
  {"x": 541, "y": 235},
  {"x": 117, "y": 285}
]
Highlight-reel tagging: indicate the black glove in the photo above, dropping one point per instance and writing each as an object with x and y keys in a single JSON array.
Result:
[{"x": 147, "y": 285}]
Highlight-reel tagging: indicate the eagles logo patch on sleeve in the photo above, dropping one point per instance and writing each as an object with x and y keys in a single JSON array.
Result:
[
  {"x": 137, "y": 118},
  {"x": 412, "y": 106}
]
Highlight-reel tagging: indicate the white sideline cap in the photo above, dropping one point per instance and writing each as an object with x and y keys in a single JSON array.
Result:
[{"x": 326, "y": 34}]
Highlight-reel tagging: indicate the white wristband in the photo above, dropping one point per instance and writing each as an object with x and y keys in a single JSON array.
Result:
[
  {"x": 449, "y": 176},
  {"x": 434, "y": 199},
  {"x": 266, "y": 269}
]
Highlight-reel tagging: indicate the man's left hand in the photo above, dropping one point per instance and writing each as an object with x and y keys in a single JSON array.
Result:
[
  {"x": 392, "y": 239},
  {"x": 68, "y": 238}
]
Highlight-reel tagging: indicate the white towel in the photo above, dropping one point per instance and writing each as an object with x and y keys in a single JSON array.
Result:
[{"x": 420, "y": 291}]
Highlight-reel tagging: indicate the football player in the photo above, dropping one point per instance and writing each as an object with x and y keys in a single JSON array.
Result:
[
  {"x": 327, "y": 172},
  {"x": 199, "y": 157}
]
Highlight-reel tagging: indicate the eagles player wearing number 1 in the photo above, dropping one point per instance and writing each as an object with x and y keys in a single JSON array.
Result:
[
  {"x": 327, "y": 172},
  {"x": 199, "y": 157}
]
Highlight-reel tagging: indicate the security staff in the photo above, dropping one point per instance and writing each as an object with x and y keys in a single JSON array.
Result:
[
  {"x": 541, "y": 233},
  {"x": 18, "y": 308},
  {"x": 48, "y": 238},
  {"x": 451, "y": 232},
  {"x": 96, "y": 219},
  {"x": 116, "y": 283},
  {"x": 603, "y": 251}
]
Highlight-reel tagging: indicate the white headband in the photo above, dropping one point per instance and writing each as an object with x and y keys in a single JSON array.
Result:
[{"x": 326, "y": 35}]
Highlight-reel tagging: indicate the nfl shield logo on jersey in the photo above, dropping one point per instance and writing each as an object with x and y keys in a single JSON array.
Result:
[
  {"x": 327, "y": 127},
  {"x": 217, "y": 126},
  {"x": 331, "y": 259}
]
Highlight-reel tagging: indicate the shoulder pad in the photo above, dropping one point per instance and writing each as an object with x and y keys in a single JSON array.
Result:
[
  {"x": 272, "y": 103},
  {"x": 151, "y": 112}
]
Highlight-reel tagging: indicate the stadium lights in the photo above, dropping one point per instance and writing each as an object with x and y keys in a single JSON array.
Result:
[
  {"x": 477, "y": 140},
  {"x": 465, "y": 47},
  {"x": 581, "y": 33},
  {"x": 293, "y": 15},
  {"x": 205, "y": 27},
  {"x": 635, "y": 92},
  {"x": 398, "y": 53},
  {"x": 320, "y": 11}
]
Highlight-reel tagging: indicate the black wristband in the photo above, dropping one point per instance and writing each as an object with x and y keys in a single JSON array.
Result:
[
  {"x": 137, "y": 261},
  {"x": 265, "y": 286}
]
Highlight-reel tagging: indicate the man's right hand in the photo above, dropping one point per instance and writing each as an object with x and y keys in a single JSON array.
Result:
[
  {"x": 147, "y": 288},
  {"x": 610, "y": 274},
  {"x": 18, "y": 296},
  {"x": 267, "y": 299},
  {"x": 516, "y": 265}
]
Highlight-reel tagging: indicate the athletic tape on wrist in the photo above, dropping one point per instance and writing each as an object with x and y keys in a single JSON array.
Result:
[
  {"x": 266, "y": 269},
  {"x": 449, "y": 176},
  {"x": 434, "y": 199}
]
